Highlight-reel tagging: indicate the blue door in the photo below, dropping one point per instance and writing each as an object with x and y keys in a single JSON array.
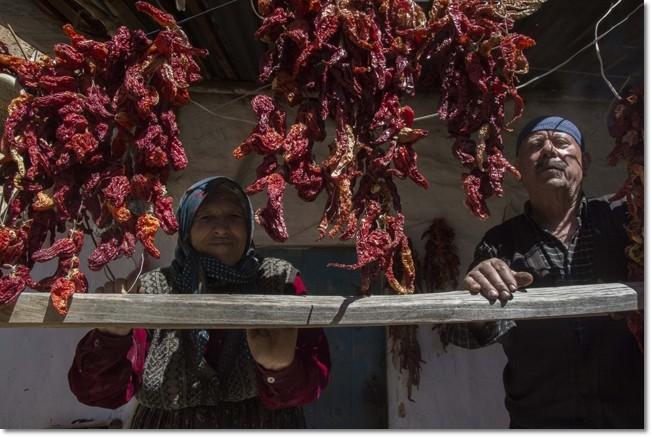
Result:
[{"x": 356, "y": 397}]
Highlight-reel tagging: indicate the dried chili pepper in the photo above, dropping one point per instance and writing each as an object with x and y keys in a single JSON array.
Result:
[
  {"x": 92, "y": 137},
  {"x": 117, "y": 190},
  {"x": 406, "y": 352},
  {"x": 103, "y": 254},
  {"x": 165, "y": 214},
  {"x": 7, "y": 236},
  {"x": 62, "y": 291},
  {"x": 476, "y": 60},
  {"x": 122, "y": 215},
  {"x": 146, "y": 228},
  {"x": 625, "y": 123},
  {"x": 346, "y": 61},
  {"x": 42, "y": 202},
  {"x": 61, "y": 248},
  {"x": 82, "y": 144},
  {"x": 13, "y": 284},
  {"x": 271, "y": 217},
  {"x": 162, "y": 18}
]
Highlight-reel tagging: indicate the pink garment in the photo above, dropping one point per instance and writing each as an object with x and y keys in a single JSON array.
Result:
[{"x": 107, "y": 370}]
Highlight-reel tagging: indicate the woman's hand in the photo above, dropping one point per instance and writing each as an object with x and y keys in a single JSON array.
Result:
[{"x": 273, "y": 348}]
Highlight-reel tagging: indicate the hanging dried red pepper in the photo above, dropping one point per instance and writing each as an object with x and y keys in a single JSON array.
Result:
[
  {"x": 406, "y": 353},
  {"x": 441, "y": 264},
  {"x": 476, "y": 59},
  {"x": 406, "y": 350},
  {"x": 626, "y": 127},
  {"x": 92, "y": 136},
  {"x": 351, "y": 62}
]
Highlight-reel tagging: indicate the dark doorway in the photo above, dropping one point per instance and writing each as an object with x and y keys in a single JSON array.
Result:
[{"x": 356, "y": 397}]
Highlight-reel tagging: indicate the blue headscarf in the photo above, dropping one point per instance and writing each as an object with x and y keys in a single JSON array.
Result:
[
  {"x": 551, "y": 122},
  {"x": 190, "y": 268}
]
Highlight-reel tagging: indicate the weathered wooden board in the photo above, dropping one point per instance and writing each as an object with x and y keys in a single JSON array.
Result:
[{"x": 239, "y": 311}]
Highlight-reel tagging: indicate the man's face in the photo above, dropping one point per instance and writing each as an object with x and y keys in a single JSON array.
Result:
[{"x": 551, "y": 160}]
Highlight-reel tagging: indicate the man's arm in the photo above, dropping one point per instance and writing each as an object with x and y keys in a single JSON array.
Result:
[{"x": 475, "y": 335}]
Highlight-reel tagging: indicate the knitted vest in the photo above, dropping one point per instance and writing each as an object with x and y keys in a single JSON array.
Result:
[{"x": 177, "y": 375}]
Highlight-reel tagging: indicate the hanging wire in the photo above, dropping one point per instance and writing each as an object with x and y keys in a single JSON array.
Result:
[
  {"x": 142, "y": 263},
  {"x": 225, "y": 117},
  {"x": 552, "y": 70},
  {"x": 222, "y": 105},
  {"x": 426, "y": 117},
  {"x": 597, "y": 51},
  {"x": 580, "y": 50},
  {"x": 206, "y": 11},
  {"x": 253, "y": 8},
  {"x": 20, "y": 46},
  {"x": 198, "y": 15}
]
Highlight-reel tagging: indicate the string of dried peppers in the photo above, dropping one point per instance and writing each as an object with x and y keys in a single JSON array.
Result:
[
  {"x": 625, "y": 124},
  {"x": 441, "y": 265},
  {"x": 87, "y": 148},
  {"x": 438, "y": 268},
  {"x": 352, "y": 61},
  {"x": 477, "y": 60},
  {"x": 405, "y": 347}
]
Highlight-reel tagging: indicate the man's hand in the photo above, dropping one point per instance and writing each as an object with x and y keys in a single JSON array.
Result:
[
  {"x": 495, "y": 280},
  {"x": 129, "y": 285},
  {"x": 273, "y": 348}
]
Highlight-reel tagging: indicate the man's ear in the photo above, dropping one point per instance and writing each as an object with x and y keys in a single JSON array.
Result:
[{"x": 586, "y": 162}]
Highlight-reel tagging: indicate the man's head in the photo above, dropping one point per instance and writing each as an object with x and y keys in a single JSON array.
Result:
[{"x": 551, "y": 155}]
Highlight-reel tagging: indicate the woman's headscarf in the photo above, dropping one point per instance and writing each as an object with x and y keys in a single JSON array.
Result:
[{"x": 190, "y": 268}]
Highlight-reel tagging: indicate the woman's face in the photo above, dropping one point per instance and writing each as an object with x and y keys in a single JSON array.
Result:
[{"x": 219, "y": 228}]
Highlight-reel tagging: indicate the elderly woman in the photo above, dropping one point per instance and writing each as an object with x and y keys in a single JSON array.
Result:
[{"x": 208, "y": 378}]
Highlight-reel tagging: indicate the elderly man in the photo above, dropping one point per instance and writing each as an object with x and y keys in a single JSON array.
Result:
[{"x": 560, "y": 373}]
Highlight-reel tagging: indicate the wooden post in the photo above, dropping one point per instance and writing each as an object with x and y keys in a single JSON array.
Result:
[{"x": 33, "y": 309}]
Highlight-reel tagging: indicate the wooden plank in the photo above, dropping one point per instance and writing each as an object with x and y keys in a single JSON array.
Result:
[{"x": 33, "y": 309}]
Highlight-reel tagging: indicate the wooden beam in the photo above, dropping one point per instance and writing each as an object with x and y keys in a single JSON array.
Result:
[{"x": 33, "y": 309}]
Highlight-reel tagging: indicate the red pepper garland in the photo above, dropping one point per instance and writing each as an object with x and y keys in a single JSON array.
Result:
[
  {"x": 441, "y": 265},
  {"x": 93, "y": 136},
  {"x": 405, "y": 347},
  {"x": 626, "y": 127},
  {"x": 476, "y": 59},
  {"x": 350, "y": 61}
]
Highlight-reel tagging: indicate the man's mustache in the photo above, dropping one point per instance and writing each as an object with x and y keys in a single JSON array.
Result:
[{"x": 556, "y": 164}]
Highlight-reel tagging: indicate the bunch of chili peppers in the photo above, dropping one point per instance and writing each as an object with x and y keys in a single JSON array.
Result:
[
  {"x": 405, "y": 348},
  {"x": 87, "y": 149},
  {"x": 350, "y": 61},
  {"x": 476, "y": 59},
  {"x": 440, "y": 263},
  {"x": 406, "y": 352},
  {"x": 439, "y": 267},
  {"x": 625, "y": 124}
]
